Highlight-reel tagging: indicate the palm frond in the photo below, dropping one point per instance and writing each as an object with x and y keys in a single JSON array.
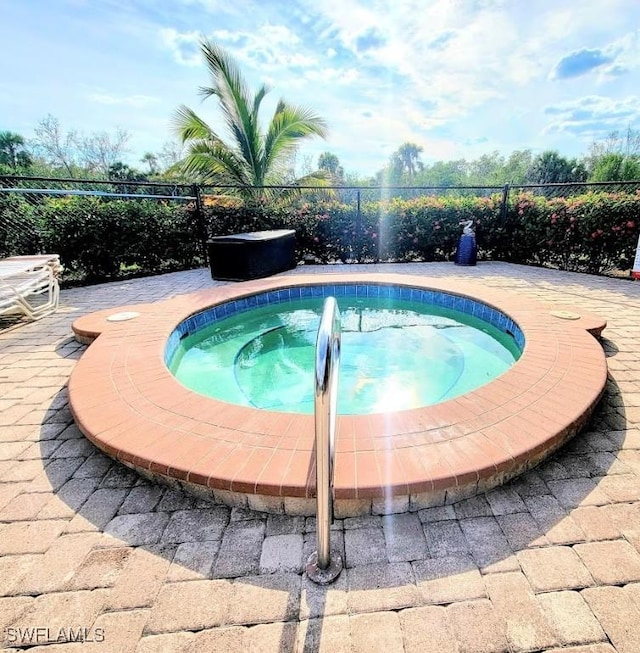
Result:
[
  {"x": 189, "y": 126},
  {"x": 249, "y": 159},
  {"x": 215, "y": 163},
  {"x": 289, "y": 125},
  {"x": 235, "y": 102}
]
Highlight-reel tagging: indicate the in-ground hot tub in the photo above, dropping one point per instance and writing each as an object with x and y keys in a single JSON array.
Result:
[
  {"x": 125, "y": 400},
  {"x": 402, "y": 348}
]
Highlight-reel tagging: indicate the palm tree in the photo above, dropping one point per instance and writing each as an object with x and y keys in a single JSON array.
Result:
[
  {"x": 152, "y": 161},
  {"x": 250, "y": 159},
  {"x": 406, "y": 158},
  {"x": 12, "y": 152}
]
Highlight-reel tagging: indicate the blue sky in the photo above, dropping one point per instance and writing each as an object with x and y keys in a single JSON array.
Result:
[{"x": 459, "y": 77}]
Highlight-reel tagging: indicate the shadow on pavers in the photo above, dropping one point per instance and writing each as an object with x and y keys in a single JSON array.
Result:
[{"x": 391, "y": 562}]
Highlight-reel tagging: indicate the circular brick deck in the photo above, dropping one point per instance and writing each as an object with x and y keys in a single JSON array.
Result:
[{"x": 126, "y": 401}]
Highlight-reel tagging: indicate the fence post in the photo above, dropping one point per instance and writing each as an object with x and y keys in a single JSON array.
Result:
[
  {"x": 503, "y": 206},
  {"x": 358, "y": 228},
  {"x": 200, "y": 226}
]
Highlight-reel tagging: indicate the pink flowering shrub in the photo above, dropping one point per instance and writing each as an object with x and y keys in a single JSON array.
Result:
[{"x": 592, "y": 232}]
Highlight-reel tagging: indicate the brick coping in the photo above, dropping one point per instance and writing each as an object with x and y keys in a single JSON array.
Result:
[{"x": 126, "y": 401}]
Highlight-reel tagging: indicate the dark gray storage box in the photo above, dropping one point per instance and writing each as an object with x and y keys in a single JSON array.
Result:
[{"x": 252, "y": 255}]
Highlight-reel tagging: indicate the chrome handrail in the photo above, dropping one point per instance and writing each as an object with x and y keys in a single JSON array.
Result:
[{"x": 323, "y": 567}]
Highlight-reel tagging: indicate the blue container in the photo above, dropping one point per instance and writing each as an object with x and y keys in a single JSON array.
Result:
[{"x": 467, "y": 250}]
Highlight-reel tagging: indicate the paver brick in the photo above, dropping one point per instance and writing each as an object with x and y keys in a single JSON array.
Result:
[
  {"x": 404, "y": 537},
  {"x": 267, "y": 637},
  {"x": 24, "y": 507},
  {"x": 13, "y": 569},
  {"x": 196, "y": 525},
  {"x": 190, "y": 605},
  {"x": 589, "y": 648},
  {"x": 445, "y": 539},
  {"x": 141, "y": 498},
  {"x": 487, "y": 543},
  {"x": 11, "y": 611},
  {"x": 29, "y": 537},
  {"x": 52, "y": 571},
  {"x": 610, "y": 563},
  {"x": 141, "y": 578},
  {"x": 440, "y": 513},
  {"x": 574, "y": 492},
  {"x": 193, "y": 560},
  {"x": 427, "y": 630},
  {"x": 61, "y": 610},
  {"x": 477, "y": 506},
  {"x": 136, "y": 530},
  {"x": 282, "y": 553},
  {"x": 285, "y": 524},
  {"x": 617, "y": 615},
  {"x": 379, "y": 632},
  {"x": 554, "y": 520},
  {"x": 512, "y": 598},
  {"x": 477, "y": 628},
  {"x": 328, "y": 635},
  {"x": 595, "y": 523},
  {"x": 240, "y": 550},
  {"x": 100, "y": 568},
  {"x": 554, "y": 568},
  {"x": 570, "y": 617},
  {"x": 602, "y": 466},
  {"x": 381, "y": 587},
  {"x": 504, "y": 501},
  {"x": 621, "y": 487},
  {"x": 322, "y": 600},
  {"x": 181, "y": 642},
  {"x": 121, "y": 631},
  {"x": 98, "y": 510},
  {"x": 119, "y": 476},
  {"x": 447, "y": 580},
  {"x": 521, "y": 530},
  {"x": 55, "y": 474},
  {"x": 364, "y": 546},
  {"x": 263, "y": 599}
]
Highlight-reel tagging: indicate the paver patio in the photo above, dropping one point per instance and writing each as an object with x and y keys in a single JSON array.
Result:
[{"x": 93, "y": 557}]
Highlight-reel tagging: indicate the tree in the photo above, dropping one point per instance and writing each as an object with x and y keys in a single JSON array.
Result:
[
  {"x": 75, "y": 152},
  {"x": 488, "y": 169},
  {"x": 552, "y": 168},
  {"x": 57, "y": 149},
  {"x": 152, "y": 161},
  {"x": 331, "y": 164},
  {"x": 119, "y": 171},
  {"x": 406, "y": 159},
  {"x": 517, "y": 167},
  {"x": 12, "y": 151},
  {"x": 250, "y": 159},
  {"x": 100, "y": 150},
  {"x": 444, "y": 173},
  {"x": 617, "y": 158},
  {"x": 616, "y": 167}
]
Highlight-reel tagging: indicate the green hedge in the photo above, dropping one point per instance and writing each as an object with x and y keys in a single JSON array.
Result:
[
  {"x": 99, "y": 239},
  {"x": 105, "y": 239},
  {"x": 592, "y": 232}
]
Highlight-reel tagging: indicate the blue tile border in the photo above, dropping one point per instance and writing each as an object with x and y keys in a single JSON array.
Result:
[{"x": 442, "y": 299}]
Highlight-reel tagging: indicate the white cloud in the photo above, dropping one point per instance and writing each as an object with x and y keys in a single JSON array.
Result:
[
  {"x": 136, "y": 101},
  {"x": 270, "y": 47},
  {"x": 183, "y": 45},
  {"x": 594, "y": 116}
]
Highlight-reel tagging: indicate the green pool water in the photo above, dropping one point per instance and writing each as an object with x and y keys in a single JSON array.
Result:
[{"x": 396, "y": 355}]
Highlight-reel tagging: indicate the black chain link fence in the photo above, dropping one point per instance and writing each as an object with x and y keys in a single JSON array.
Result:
[{"x": 106, "y": 229}]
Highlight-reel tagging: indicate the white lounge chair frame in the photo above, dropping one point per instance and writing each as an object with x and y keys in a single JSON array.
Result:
[{"x": 29, "y": 285}]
